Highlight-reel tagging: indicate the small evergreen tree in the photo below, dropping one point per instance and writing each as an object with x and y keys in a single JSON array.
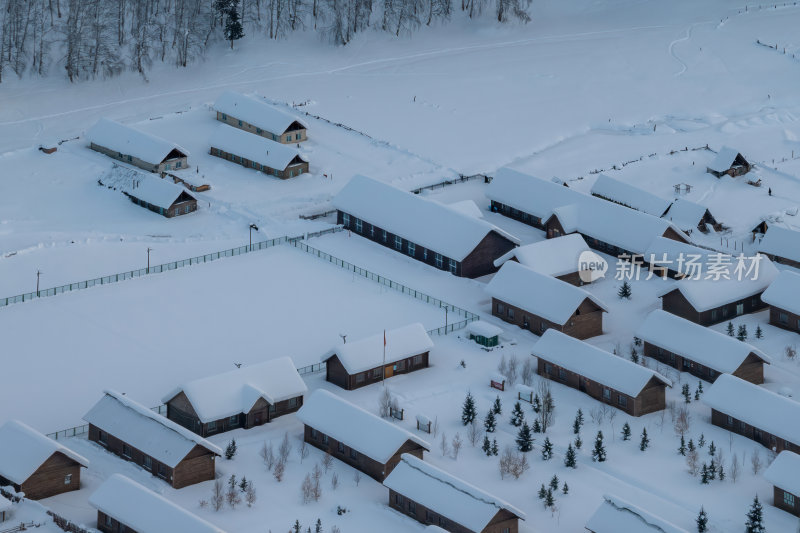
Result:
[
  {"x": 524, "y": 438},
  {"x": 645, "y": 442},
  {"x": 702, "y": 521},
  {"x": 712, "y": 470},
  {"x": 578, "y": 442},
  {"x": 547, "y": 450},
  {"x": 297, "y": 527},
  {"x": 487, "y": 446},
  {"x": 495, "y": 449},
  {"x": 468, "y": 411},
  {"x": 576, "y": 425},
  {"x": 490, "y": 423},
  {"x": 537, "y": 427},
  {"x": 759, "y": 332},
  {"x": 549, "y": 500},
  {"x": 599, "y": 451},
  {"x": 570, "y": 460},
  {"x": 685, "y": 391},
  {"x": 318, "y": 526},
  {"x": 682, "y": 448},
  {"x": 565, "y": 488},
  {"x": 702, "y": 440},
  {"x": 696, "y": 395},
  {"x": 755, "y": 518},
  {"x": 517, "y": 416},
  {"x": 626, "y": 431},
  {"x": 233, "y": 29},
  {"x": 243, "y": 484},
  {"x": 542, "y": 492},
  {"x": 554, "y": 482},
  {"x": 230, "y": 449},
  {"x": 730, "y": 329},
  {"x": 721, "y": 472},
  {"x": 712, "y": 449},
  {"x": 625, "y": 291},
  {"x": 497, "y": 407},
  {"x": 536, "y": 404},
  {"x": 741, "y": 334},
  {"x": 690, "y": 446},
  {"x": 634, "y": 355},
  {"x": 704, "y": 475}
]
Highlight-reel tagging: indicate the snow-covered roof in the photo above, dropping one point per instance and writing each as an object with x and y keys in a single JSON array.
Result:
[
  {"x": 630, "y": 195},
  {"x": 756, "y": 406},
  {"x": 598, "y": 365},
  {"x": 5, "y": 505},
  {"x": 23, "y": 450},
  {"x": 355, "y": 427},
  {"x": 484, "y": 329},
  {"x": 542, "y": 295},
  {"x": 445, "y": 494},
  {"x": 685, "y": 214},
  {"x": 236, "y": 391},
  {"x": 705, "y": 294},
  {"x": 527, "y": 193},
  {"x": 256, "y": 112},
  {"x": 616, "y": 515},
  {"x": 781, "y": 242},
  {"x": 784, "y": 472},
  {"x": 551, "y": 257},
  {"x": 254, "y": 147},
  {"x": 678, "y": 256},
  {"x": 724, "y": 159},
  {"x": 151, "y": 433},
  {"x": 703, "y": 345},
  {"x": 467, "y": 207},
  {"x": 425, "y": 222},
  {"x": 141, "y": 509},
  {"x": 143, "y": 185},
  {"x": 358, "y": 356},
  {"x": 784, "y": 292},
  {"x": 130, "y": 141}
]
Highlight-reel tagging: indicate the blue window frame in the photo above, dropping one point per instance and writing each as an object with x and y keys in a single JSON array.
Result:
[
  {"x": 345, "y": 220},
  {"x": 439, "y": 261},
  {"x": 384, "y": 235},
  {"x": 359, "y": 225},
  {"x": 398, "y": 242},
  {"x": 411, "y": 249},
  {"x": 240, "y": 123}
]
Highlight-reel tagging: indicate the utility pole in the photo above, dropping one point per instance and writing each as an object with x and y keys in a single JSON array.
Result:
[
  {"x": 252, "y": 227},
  {"x": 148, "y": 259},
  {"x": 445, "y": 320},
  {"x": 38, "y": 273}
]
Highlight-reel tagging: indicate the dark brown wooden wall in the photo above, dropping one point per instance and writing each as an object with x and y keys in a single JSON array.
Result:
[
  {"x": 751, "y": 369},
  {"x": 481, "y": 260},
  {"x": 422, "y": 514},
  {"x": 675, "y": 303},
  {"x": 336, "y": 373},
  {"x": 589, "y": 323},
  {"x": 764, "y": 438},
  {"x": 48, "y": 479},
  {"x": 793, "y": 319},
  {"x": 778, "y": 501},
  {"x": 115, "y": 527}
]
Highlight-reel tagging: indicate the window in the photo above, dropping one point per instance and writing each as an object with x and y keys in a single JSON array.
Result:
[
  {"x": 360, "y": 377},
  {"x": 417, "y": 359},
  {"x": 340, "y": 447},
  {"x": 371, "y": 230},
  {"x": 240, "y": 123},
  {"x": 622, "y": 400},
  {"x": 292, "y": 402},
  {"x": 424, "y": 254},
  {"x": 224, "y": 116},
  {"x": 398, "y": 500},
  {"x": 730, "y": 420},
  {"x": 162, "y": 470},
  {"x": 500, "y": 309},
  {"x": 453, "y": 266},
  {"x": 126, "y": 451},
  {"x": 548, "y": 368},
  {"x": 178, "y": 164},
  {"x": 259, "y": 131},
  {"x": 314, "y": 434},
  {"x": 255, "y": 165},
  {"x": 783, "y": 318},
  {"x": 443, "y": 523},
  {"x": 671, "y": 357},
  {"x": 510, "y": 313},
  {"x": 274, "y": 137},
  {"x": 713, "y": 314},
  {"x": 606, "y": 393},
  {"x": 359, "y": 225},
  {"x": 506, "y": 530},
  {"x": 234, "y": 420},
  {"x": 739, "y": 309},
  {"x": 430, "y": 516},
  {"x": 398, "y": 243},
  {"x": 353, "y": 454},
  {"x": 411, "y": 249},
  {"x": 272, "y": 408},
  {"x": 439, "y": 261},
  {"x": 108, "y": 521},
  {"x": 68, "y": 479},
  {"x": 345, "y": 220},
  {"x": 383, "y": 235},
  {"x": 562, "y": 374},
  {"x": 288, "y": 138},
  {"x": 526, "y": 322},
  {"x": 412, "y": 507},
  {"x": 788, "y": 499},
  {"x": 724, "y": 311},
  {"x": 377, "y": 372},
  {"x": 212, "y": 426},
  {"x": 401, "y": 365},
  {"x": 324, "y": 439},
  {"x": 102, "y": 438},
  {"x": 298, "y": 136},
  {"x": 147, "y": 462}
]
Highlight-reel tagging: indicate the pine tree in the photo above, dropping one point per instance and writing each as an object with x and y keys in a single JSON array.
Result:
[
  {"x": 741, "y": 334},
  {"x": 487, "y": 446},
  {"x": 570, "y": 460},
  {"x": 542, "y": 492},
  {"x": 230, "y": 449},
  {"x": 524, "y": 438},
  {"x": 755, "y": 518},
  {"x": 490, "y": 423},
  {"x": 536, "y": 404},
  {"x": 634, "y": 355},
  {"x": 702, "y": 440},
  {"x": 626, "y": 431},
  {"x": 495, "y": 449},
  {"x": 730, "y": 329},
  {"x": 682, "y": 448},
  {"x": 497, "y": 407},
  {"x": 700, "y": 386},
  {"x": 645, "y": 442},
  {"x": 549, "y": 500},
  {"x": 565, "y": 488},
  {"x": 554, "y": 482},
  {"x": 721, "y": 472},
  {"x": 690, "y": 446},
  {"x": 696, "y": 395},
  {"x": 318, "y": 526},
  {"x": 685, "y": 391},
  {"x": 704, "y": 476},
  {"x": 297, "y": 527},
  {"x": 547, "y": 450},
  {"x": 576, "y": 425},
  {"x": 468, "y": 412},
  {"x": 243, "y": 484},
  {"x": 625, "y": 291},
  {"x": 759, "y": 332},
  {"x": 712, "y": 449},
  {"x": 229, "y": 9},
  {"x": 712, "y": 470},
  {"x": 578, "y": 442},
  {"x": 537, "y": 427},
  {"x": 517, "y": 416},
  {"x": 702, "y": 521},
  {"x": 599, "y": 451}
]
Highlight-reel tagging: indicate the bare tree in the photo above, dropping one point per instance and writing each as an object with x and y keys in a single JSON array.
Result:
[
  {"x": 456, "y": 445},
  {"x": 357, "y": 477},
  {"x": 527, "y": 372},
  {"x": 546, "y": 414},
  {"x": 755, "y": 462},
  {"x": 267, "y": 455},
  {"x": 693, "y": 461},
  {"x": 217, "y": 495},
  {"x": 334, "y": 481},
  {"x": 385, "y": 403},
  {"x": 444, "y": 445},
  {"x": 302, "y": 451},
  {"x": 285, "y": 448},
  {"x": 278, "y": 470},
  {"x": 683, "y": 420},
  {"x": 733, "y": 472},
  {"x": 473, "y": 433},
  {"x": 250, "y": 494},
  {"x": 327, "y": 461},
  {"x": 513, "y": 370}
]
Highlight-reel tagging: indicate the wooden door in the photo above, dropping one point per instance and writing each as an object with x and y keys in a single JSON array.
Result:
[{"x": 388, "y": 371}]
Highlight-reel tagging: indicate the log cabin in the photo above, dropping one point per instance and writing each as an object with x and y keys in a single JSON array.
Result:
[
  {"x": 538, "y": 303},
  {"x": 689, "y": 216},
  {"x": 255, "y": 152},
  {"x": 699, "y": 350},
  {"x": 160, "y": 196},
  {"x": 155, "y": 443},
  {"x": 124, "y": 505},
  {"x": 371, "y": 360},
  {"x": 781, "y": 245},
  {"x": 245, "y": 397},
  {"x": 559, "y": 258},
  {"x": 608, "y": 378},
  {"x": 355, "y": 436},
  {"x": 35, "y": 465},
  {"x": 784, "y": 474},
  {"x": 783, "y": 298},
  {"x": 628, "y": 195},
  {"x": 667, "y": 258},
  {"x": 728, "y": 162},
  {"x": 430, "y": 495},
  {"x": 616, "y": 515},
  {"x": 754, "y": 412},
  {"x": 135, "y": 147},
  {"x": 422, "y": 229},
  {"x": 708, "y": 301},
  {"x": 256, "y": 116}
]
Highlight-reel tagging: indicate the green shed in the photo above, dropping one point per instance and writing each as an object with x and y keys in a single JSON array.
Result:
[{"x": 484, "y": 334}]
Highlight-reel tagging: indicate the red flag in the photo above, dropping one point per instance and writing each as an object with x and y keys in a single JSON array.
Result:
[{"x": 384, "y": 338}]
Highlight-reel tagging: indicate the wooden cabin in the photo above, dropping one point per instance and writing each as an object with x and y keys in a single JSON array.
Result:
[
  {"x": 245, "y": 397},
  {"x": 784, "y": 474},
  {"x": 430, "y": 495},
  {"x": 754, "y": 412},
  {"x": 708, "y": 301},
  {"x": 155, "y": 443},
  {"x": 135, "y": 147},
  {"x": 36, "y": 465},
  {"x": 628, "y": 195},
  {"x": 667, "y": 258},
  {"x": 124, "y": 505},
  {"x": 256, "y": 116},
  {"x": 616, "y": 515},
  {"x": 781, "y": 245},
  {"x": 483, "y": 333},
  {"x": 608, "y": 378},
  {"x": 699, "y": 350},
  {"x": 537, "y": 303},
  {"x": 689, "y": 216},
  {"x": 527, "y": 199},
  {"x": 160, "y": 196},
  {"x": 355, "y": 436},
  {"x": 359, "y": 363},
  {"x": 783, "y": 298},
  {"x": 422, "y": 229},
  {"x": 5, "y": 509},
  {"x": 255, "y": 152},
  {"x": 559, "y": 258},
  {"x": 728, "y": 162}
]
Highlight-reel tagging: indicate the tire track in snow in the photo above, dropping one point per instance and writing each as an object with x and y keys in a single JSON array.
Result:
[{"x": 686, "y": 37}]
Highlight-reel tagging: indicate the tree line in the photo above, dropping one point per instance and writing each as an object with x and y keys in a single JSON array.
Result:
[{"x": 102, "y": 38}]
